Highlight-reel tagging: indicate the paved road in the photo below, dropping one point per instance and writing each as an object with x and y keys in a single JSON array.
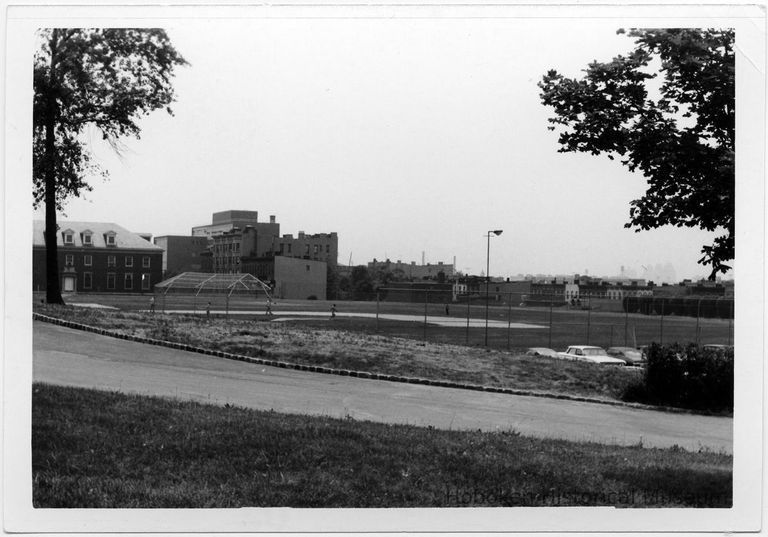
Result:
[{"x": 74, "y": 358}]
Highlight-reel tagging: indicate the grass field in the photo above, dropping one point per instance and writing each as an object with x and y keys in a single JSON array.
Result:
[
  {"x": 568, "y": 327},
  {"x": 355, "y": 350},
  {"x": 99, "y": 449}
]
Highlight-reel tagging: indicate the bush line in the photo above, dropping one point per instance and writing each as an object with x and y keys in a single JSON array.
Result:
[{"x": 344, "y": 372}]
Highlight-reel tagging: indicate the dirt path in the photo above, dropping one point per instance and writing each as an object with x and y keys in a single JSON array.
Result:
[{"x": 73, "y": 358}]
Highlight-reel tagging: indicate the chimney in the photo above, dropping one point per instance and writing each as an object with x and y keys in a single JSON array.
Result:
[{"x": 272, "y": 219}]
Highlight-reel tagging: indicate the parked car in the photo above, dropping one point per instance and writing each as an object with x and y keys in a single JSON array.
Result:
[
  {"x": 588, "y": 353},
  {"x": 628, "y": 354},
  {"x": 541, "y": 351},
  {"x": 717, "y": 347}
]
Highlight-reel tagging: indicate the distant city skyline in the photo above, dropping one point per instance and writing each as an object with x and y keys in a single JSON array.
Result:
[{"x": 403, "y": 136}]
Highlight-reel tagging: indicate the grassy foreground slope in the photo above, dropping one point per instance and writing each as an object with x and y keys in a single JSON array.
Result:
[
  {"x": 101, "y": 449},
  {"x": 342, "y": 349}
]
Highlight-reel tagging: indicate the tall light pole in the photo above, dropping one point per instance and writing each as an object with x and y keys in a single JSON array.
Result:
[{"x": 496, "y": 232}]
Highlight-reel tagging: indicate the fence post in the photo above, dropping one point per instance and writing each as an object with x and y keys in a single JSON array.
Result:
[
  {"x": 467, "y": 342},
  {"x": 626, "y": 322},
  {"x": 730, "y": 320},
  {"x": 509, "y": 320},
  {"x": 610, "y": 342},
  {"x": 426, "y": 300},
  {"x": 661, "y": 324},
  {"x": 551, "y": 302},
  {"x": 698, "y": 329}
]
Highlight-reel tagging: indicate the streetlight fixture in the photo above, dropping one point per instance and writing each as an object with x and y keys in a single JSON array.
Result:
[{"x": 496, "y": 232}]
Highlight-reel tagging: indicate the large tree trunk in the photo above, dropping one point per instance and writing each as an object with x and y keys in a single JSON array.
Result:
[{"x": 53, "y": 280}]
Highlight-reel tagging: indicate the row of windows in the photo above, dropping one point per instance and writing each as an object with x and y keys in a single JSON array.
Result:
[
  {"x": 229, "y": 247},
  {"x": 226, "y": 261},
  {"x": 69, "y": 238},
  {"x": 112, "y": 281},
  {"x": 317, "y": 248},
  {"x": 69, "y": 261}
]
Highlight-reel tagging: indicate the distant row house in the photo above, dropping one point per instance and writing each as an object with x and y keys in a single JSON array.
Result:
[{"x": 412, "y": 271}]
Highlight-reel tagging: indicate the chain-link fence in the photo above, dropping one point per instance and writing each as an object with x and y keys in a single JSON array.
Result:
[{"x": 518, "y": 320}]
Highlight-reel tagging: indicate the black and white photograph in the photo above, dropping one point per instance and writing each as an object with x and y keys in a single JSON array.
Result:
[{"x": 384, "y": 267}]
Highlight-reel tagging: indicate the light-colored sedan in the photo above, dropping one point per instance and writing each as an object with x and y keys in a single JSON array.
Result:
[{"x": 589, "y": 353}]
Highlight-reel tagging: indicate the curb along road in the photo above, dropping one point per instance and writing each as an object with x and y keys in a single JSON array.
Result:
[{"x": 345, "y": 372}]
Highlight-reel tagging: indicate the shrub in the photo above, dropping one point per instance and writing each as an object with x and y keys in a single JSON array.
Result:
[{"x": 686, "y": 377}]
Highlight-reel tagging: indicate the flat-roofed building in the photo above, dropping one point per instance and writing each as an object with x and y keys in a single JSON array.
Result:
[
  {"x": 317, "y": 247},
  {"x": 184, "y": 254}
]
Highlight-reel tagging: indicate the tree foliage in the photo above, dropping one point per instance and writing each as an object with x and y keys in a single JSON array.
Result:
[
  {"x": 105, "y": 78},
  {"x": 679, "y": 136}
]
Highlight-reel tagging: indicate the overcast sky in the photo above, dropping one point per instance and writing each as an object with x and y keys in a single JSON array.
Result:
[{"x": 403, "y": 136}]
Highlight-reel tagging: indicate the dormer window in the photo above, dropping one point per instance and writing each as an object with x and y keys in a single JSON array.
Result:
[
  {"x": 109, "y": 238},
  {"x": 69, "y": 237},
  {"x": 87, "y": 238}
]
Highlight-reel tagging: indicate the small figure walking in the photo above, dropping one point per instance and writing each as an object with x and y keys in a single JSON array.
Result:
[
  {"x": 152, "y": 305},
  {"x": 447, "y": 310},
  {"x": 208, "y": 310},
  {"x": 269, "y": 306},
  {"x": 333, "y": 311}
]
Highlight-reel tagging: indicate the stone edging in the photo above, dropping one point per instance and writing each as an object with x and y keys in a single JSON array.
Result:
[{"x": 345, "y": 372}]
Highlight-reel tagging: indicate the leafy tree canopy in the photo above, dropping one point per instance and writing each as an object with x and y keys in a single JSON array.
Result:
[
  {"x": 107, "y": 78},
  {"x": 680, "y": 137}
]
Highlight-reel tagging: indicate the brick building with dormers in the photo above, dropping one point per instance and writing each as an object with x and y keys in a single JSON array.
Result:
[{"x": 98, "y": 257}]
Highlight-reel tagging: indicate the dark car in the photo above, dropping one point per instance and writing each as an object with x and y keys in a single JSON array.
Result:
[
  {"x": 541, "y": 351},
  {"x": 628, "y": 354}
]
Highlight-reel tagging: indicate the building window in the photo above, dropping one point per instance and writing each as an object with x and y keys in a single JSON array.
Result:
[
  {"x": 289, "y": 248},
  {"x": 87, "y": 260},
  {"x": 69, "y": 237},
  {"x": 145, "y": 261},
  {"x": 87, "y": 240},
  {"x": 110, "y": 280},
  {"x": 327, "y": 248},
  {"x": 306, "y": 249},
  {"x": 145, "y": 282},
  {"x": 315, "y": 249},
  {"x": 111, "y": 260},
  {"x": 129, "y": 261},
  {"x": 69, "y": 260},
  {"x": 128, "y": 280},
  {"x": 87, "y": 280},
  {"x": 110, "y": 240}
]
